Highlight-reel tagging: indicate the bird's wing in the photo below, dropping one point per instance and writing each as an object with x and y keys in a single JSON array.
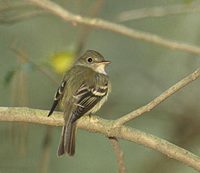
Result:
[
  {"x": 58, "y": 96},
  {"x": 87, "y": 97}
]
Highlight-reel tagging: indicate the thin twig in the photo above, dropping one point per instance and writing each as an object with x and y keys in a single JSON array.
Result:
[
  {"x": 182, "y": 83},
  {"x": 20, "y": 17},
  {"x": 106, "y": 127},
  {"x": 158, "y": 11},
  {"x": 119, "y": 154},
  {"x": 24, "y": 57},
  {"x": 10, "y": 6},
  {"x": 14, "y": 12},
  {"x": 113, "y": 27}
]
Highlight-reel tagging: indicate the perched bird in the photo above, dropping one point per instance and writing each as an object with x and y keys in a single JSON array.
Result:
[{"x": 83, "y": 90}]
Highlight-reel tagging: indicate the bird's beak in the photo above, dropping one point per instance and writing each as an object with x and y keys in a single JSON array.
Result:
[{"x": 105, "y": 62}]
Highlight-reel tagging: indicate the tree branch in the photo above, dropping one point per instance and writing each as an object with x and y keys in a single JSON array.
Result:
[
  {"x": 113, "y": 27},
  {"x": 182, "y": 83},
  {"x": 119, "y": 154},
  {"x": 159, "y": 11},
  {"x": 106, "y": 127}
]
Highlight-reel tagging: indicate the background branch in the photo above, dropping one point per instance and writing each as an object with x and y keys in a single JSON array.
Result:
[
  {"x": 119, "y": 154},
  {"x": 16, "y": 11},
  {"x": 23, "y": 56},
  {"x": 158, "y": 11},
  {"x": 182, "y": 83},
  {"x": 106, "y": 127},
  {"x": 113, "y": 27}
]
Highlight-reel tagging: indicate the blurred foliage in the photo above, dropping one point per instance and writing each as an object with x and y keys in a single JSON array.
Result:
[
  {"x": 62, "y": 61},
  {"x": 8, "y": 77},
  {"x": 140, "y": 71}
]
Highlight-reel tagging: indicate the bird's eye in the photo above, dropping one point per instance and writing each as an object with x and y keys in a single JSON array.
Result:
[{"x": 89, "y": 60}]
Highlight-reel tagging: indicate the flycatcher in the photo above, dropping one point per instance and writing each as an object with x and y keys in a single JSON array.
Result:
[{"x": 83, "y": 90}]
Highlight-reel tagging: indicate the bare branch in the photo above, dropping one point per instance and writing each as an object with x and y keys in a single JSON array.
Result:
[
  {"x": 106, "y": 127},
  {"x": 119, "y": 154},
  {"x": 182, "y": 83},
  {"x": 158, "y": 11},
  {"x": 113, "y": 27}
]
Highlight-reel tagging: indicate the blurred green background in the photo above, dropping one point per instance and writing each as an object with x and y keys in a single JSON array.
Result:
[{"x": 140, "y": 71}]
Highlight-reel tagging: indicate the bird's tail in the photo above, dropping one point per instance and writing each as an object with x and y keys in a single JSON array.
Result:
[{"x": 67, "y": 141}]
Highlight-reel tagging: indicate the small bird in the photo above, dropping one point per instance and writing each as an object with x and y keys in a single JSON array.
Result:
[{"x": 83, "y": 90}]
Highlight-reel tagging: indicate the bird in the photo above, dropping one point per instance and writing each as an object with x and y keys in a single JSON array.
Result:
[{"x": 83, "y": 90}]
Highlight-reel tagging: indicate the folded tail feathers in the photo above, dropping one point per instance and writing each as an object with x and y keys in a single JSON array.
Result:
[
  {"x": 70, "y": 134},
  {"x": 67, "y": 141}
]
